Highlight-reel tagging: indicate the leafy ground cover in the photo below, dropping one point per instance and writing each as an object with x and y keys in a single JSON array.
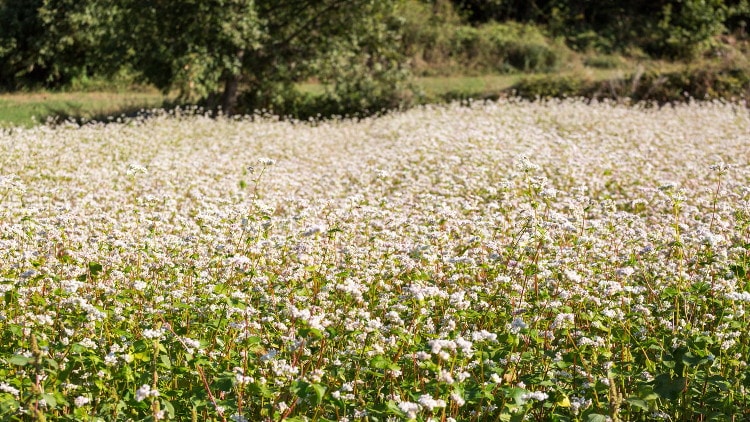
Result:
[{"x": 498, "y": 261}]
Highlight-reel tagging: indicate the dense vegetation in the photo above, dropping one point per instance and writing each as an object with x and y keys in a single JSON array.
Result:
[
  {"x": 510, "y": 261},
  {"x": 552, "y": 260},
  {"x": 249, "y": 54}
]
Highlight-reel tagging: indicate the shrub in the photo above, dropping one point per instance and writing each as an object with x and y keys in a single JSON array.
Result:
[
  {"x": 519, "y": 47},
  {"x": 603, "y": 61},
  {"x": 439, "y": 44},
  {"x": 551, "y": 86},
  {"x": 507, "y": 47},
  {"x": 685, "y": 31}
]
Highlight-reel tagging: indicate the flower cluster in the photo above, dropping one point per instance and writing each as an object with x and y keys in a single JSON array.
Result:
[{"x": 552, "y": 260}]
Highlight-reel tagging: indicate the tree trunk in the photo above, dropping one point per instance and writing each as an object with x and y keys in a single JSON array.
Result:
[
  {"x": 230, "y": 94},
  {"x": 231, "y": 88}
]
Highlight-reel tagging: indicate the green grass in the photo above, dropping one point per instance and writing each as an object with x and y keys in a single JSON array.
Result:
[
  {"x": 442, "y": 88},
  {"x": 438, "y": 86},
  {"x": 28, "y": 109}
]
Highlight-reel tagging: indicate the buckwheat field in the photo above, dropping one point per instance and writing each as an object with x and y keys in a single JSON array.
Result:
[{"x": 504, "y": 261}]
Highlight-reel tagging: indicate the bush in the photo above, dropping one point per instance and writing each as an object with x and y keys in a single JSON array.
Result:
[
  {"x": 702, "y": 82},
  {"x": 438, "y": 43},
  {"x": 688, "y": 29},
  {"x": 427, "y": 37},
  {"x": 513, "y": 46},
  {"x": 604, "y": 61},
  {"x": 507, "y": 47},
  {"x": 551, "y": 86}
]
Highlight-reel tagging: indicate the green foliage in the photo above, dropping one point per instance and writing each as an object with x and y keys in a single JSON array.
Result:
[
  {"x": 550, "y": 86},
  {"x": 355, "y": 55},
  {"x": 50, "y": 43},
  {"x": 244, "y": 55},
  {"x": 192, "y": 46},
  {"x": 438, "y": 43},
  {"x": 688, "y": 27},
  {"x": 20, "y": 31},
  {"x": 520, "y": 47},
  {"x": 703, "y": 82},
  {"x": 667, "y": 28},
  {"x": 604, "y": 61},
  {"x": 365, "y": 73},
  {"x": 209, "y": 51}
]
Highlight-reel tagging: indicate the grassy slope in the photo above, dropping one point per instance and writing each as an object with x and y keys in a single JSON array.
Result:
[{"x": 26, "y": 109}]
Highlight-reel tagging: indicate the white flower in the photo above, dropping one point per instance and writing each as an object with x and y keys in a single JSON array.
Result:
[
  {"x": 153, "y": 334},
  {"x": 536, "y": 395},
  {"x": 429, "y": 403},
  {"x": 517, "y": 325},
  {"x": 446, "y": 377},
  {"x": 144, "y": 392},
  {"x": 265, "y": 161},
  {"x": 409, "y": 408},
  {"x": 135, "y": 168},
  {"x": 81, "y": 401},
  {"x": 458, "y": 399},
  {"x": 9, "y": 389}
]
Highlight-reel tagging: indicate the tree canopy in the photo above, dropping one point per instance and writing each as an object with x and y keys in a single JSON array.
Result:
[
  {"x": 252, "y": 52},
  {"x": 211, "y": 50}
]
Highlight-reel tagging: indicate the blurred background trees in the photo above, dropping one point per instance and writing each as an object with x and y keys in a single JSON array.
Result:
[{"x": 243, "y": 55}]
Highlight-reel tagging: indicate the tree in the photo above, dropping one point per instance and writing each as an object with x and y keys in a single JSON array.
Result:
[
  {"x": 212, "y": 51},
  {"x": 194, "y": 46},
  {"x": 51, "y": 42},
  {"x": 20, "y": 32},
  {"x": 218, "y": 50}
]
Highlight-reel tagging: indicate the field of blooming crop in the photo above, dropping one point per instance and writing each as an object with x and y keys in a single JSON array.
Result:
[{"x": 505, "y": 261}]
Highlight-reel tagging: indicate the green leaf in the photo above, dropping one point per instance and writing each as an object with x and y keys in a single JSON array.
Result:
[
  {"x": 168, "y": 407},
  {"x": 691, "y": 360},
  {"x": 225, "y": 383},
  {"x": 667, "y": 387},
  {"x": 50, "y": 400},
  {"x": 299, "y": 387},
  {"x": 738, "y": 270},
  {"x": 95, "y": 268},
  {"x": 517, "y": 395},
  {"x": 19, "y": 360},
  {"x": 313, "y": 333},
  {"x": 260, "y": 389},
  {"x": 380, "y": 362},
  {"x": 595, "y": 417},
  {"x": 17, "y": 330},
  {"x": 166, "y": 361},
  {"x": 636, "y": 402},
  {"x": 320, "y": 392}
]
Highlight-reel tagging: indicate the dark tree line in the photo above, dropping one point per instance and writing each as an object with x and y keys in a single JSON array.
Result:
[
  {"x": 224, "y": 51},
  {"x": 664, "y": 28},
  {"x": 209, "y": 50}
]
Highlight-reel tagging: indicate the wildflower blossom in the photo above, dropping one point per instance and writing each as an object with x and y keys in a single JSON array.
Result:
[
  {"x": 81, "y": 401},
  {"x": 430, "y": 403},
  {"x": 144, "y": 392}
]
